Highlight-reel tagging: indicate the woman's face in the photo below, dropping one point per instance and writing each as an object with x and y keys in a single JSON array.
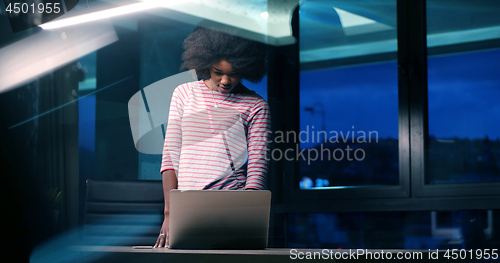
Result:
[{"x": 223, "y": 77}]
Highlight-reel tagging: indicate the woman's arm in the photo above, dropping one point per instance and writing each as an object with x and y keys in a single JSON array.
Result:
[
  {"x": 169, "y": 181},
  {"x": 170, "y": 160},
  {"x": 259, "y": 129},
  {"x": 173, "y": 136}
]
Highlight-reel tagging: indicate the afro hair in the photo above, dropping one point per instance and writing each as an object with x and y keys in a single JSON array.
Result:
[{"x": 205, "y": 47}]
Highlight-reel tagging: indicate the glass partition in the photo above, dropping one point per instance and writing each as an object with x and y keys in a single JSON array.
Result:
[
  {"x": 419, "y": 230},
  {"x": 65, "y": 91},
  {"x": 348, "y": 95},
  {"x": 464, "y": 54}
]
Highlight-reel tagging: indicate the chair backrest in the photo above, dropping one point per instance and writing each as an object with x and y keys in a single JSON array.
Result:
[{"x": 123, "y": 212}]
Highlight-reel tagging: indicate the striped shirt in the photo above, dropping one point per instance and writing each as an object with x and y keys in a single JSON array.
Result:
[{"x": 217, "y": 141}]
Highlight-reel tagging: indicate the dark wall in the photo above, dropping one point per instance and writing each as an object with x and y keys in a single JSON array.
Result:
[{"x": 25, "y": 219}]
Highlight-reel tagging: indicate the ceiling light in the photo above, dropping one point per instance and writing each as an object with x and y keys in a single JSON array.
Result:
[
  {"x": 122, "y": 10},
  {"x": 349, "y": 19},
  {"x": 353, "y": 24}
]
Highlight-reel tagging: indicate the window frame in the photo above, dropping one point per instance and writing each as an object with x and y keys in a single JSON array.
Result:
[{"x": 411, "y": 193}]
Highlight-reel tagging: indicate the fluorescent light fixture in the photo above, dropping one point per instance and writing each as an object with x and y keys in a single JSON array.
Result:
[
  {"x": 349, "y": 19},
  {"x": 112, "y": 12},
  {"x": 264, "y": 15},
  {"x": 391, "y": 45},
  {"x": 275, "y": 30},
  {"x": 353, "y": 24},
  {"x": 346, "y": 51}
]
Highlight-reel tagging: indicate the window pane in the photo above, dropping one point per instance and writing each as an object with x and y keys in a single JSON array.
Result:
[
  {"x": 394, "y": 230},
  {"x": 348, "y": 95},
  {"x": 464, "y": 132}
]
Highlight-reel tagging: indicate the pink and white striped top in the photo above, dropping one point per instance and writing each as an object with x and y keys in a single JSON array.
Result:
[{"x": 210, "y": 136}]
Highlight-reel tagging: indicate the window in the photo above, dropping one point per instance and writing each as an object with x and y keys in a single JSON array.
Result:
[
  {"x": 349, "y": 121},
  {"x": 348, "y": 136},
  {"x": 464, "y": 136},
  {"x": 348, "y": 76},
  {"x": 471, "y": 229}
]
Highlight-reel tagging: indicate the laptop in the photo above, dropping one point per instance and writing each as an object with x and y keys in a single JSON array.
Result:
[{"x": 219, "y": 219}]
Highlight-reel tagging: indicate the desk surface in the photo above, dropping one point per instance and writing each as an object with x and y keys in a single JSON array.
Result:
[
  {"x": 129, "y": 249},
  {"x": 268, "y": 251},
  {"x": 129, "y": 254},
  {"x": 124, "y": 254}
]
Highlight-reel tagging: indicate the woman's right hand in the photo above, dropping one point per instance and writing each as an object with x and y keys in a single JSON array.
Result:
[
  {"x": 169, "y": 182},
  {"x": 162, "y": 240}
]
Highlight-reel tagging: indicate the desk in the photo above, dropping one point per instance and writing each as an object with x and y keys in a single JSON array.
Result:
[{"x": 129, "y": 254}]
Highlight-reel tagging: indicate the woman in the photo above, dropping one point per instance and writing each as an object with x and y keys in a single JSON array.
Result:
[{"x": 216, "y": 125}]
